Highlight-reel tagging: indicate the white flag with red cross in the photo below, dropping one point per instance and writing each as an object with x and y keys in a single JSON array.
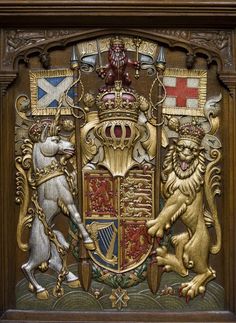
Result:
[{"x": 185, "y": 91}]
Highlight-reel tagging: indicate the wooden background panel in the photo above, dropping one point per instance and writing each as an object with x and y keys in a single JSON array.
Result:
[
  {"x": 7, "y": 219},
  {"x": 107, "y": 13}
]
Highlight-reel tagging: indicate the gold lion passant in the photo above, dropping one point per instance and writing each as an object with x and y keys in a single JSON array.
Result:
[{"x": 189, "y": 189}]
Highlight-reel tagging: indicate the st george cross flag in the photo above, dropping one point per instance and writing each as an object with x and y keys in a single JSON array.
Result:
[
  {"x": 46, "y": 90},
  {"x": 185, "y": 91}
]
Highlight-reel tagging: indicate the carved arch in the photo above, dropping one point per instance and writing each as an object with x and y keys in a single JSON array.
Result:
[
  {"x": 210, "y": 44},
  {"x": 215, "y": 45}
]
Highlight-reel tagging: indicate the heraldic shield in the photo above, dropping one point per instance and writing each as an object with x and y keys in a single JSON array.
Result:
[{"x": 115, "y": 215}]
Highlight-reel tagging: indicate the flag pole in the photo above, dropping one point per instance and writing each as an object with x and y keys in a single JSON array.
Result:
[
  {"x": 84, "y": 264},
  {"x": 154, "y": 272}
]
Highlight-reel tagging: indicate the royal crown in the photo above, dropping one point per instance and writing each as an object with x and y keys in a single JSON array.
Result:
[
  {"x": 191, "y": 131},
  {"x": 118, "y": 103},
  {"x": 116, "y": 41}
]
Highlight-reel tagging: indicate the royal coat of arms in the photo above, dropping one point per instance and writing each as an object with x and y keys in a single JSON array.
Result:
[{"x": 94, "y": 152}]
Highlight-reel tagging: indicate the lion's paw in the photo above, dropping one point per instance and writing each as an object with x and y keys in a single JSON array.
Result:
[
  {"x": 164, "y": 259},
  {"x": 150, "y": 223},
  {"x": 162, "y": 252},
  {"x": 197, "y": 285},
  {"x": 161, "y": 257},
  {"x": 191, "y": 290},
  {"x": 175, "y": 241},
  {"x": 155, "y": 228}
]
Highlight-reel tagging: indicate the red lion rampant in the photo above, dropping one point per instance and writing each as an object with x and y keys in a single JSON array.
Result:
[{"x": 118, "y": 61}]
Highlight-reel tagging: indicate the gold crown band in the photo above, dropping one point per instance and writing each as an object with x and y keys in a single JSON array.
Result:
[
  {"x": 121, "y": 115},
  {"x": 189, "y": 137}
]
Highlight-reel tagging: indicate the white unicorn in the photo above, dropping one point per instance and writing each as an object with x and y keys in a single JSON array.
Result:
[{"x": 53, "y": 195}]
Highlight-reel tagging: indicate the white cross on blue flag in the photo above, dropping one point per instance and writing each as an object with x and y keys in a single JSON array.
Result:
[{"x": 47, "y": 88}]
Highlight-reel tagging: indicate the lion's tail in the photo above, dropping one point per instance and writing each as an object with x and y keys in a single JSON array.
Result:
[{"x": 212, "y": 183}]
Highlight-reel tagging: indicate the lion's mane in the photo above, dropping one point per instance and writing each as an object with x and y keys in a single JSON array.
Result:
[{"x": 188, "y": 182}]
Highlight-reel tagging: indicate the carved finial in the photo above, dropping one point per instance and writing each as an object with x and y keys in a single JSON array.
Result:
[
  {"x": 74, "y": 60},
  {"x": 161, "y": 56},
  {"x": 161, "y": 61}
]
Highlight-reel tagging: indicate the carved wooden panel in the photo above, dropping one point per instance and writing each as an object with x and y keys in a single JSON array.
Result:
[{"x": 117, "y": 145}]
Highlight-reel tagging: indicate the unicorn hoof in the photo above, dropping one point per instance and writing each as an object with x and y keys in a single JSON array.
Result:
[
  {"x": 89, "y": 246},
  {"x": 31, "y": 288},
  {"x": 74, "y": 283},
  {"x": 43, "y": 294}
]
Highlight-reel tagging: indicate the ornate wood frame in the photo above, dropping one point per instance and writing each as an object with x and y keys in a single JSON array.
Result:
[{"x": 165, "y": 21}]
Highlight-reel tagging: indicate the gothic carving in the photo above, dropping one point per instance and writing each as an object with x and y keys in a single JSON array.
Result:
[
  {"x": 217, "y": 45},
  {"x": 45, "y": 60},
  {"x": 190, "y": 60},
  {"x": 17, "y": 40}
]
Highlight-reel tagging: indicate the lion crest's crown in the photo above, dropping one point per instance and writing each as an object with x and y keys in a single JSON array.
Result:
[{"x": 191, "y": 131}]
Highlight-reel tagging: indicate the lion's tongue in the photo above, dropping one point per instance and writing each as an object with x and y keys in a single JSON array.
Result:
[{"x": 183, "y": 165}]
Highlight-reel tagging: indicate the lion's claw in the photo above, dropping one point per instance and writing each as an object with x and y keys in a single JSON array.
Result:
[
  {"x": 192, "y": 288},
  {"x": 180, "y": 291},
  {"x": 187, "y": 299}
]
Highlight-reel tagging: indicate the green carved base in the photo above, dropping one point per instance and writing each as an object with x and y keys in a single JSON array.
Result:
[{"x": 138, "y": 298}]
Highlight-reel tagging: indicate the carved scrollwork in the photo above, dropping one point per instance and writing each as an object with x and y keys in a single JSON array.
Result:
[
  {"x": 220, "y": 40},
  {"x": 18, "y": 39},
  {"x": 216, "y": 44}
]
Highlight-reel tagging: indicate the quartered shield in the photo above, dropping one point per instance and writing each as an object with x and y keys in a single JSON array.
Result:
[{"x": 115, "y": 213}]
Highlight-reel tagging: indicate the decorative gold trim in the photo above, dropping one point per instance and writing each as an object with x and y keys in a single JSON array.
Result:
[
  {"x": 34, "y": 76},
  {"x": 202, "y": 76},
  {"x": 49, "y": 176},
  {"x": 118, "y": 271},
  {"x": 118, "y": 221},
  {"x": 48, "y": 172}
]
